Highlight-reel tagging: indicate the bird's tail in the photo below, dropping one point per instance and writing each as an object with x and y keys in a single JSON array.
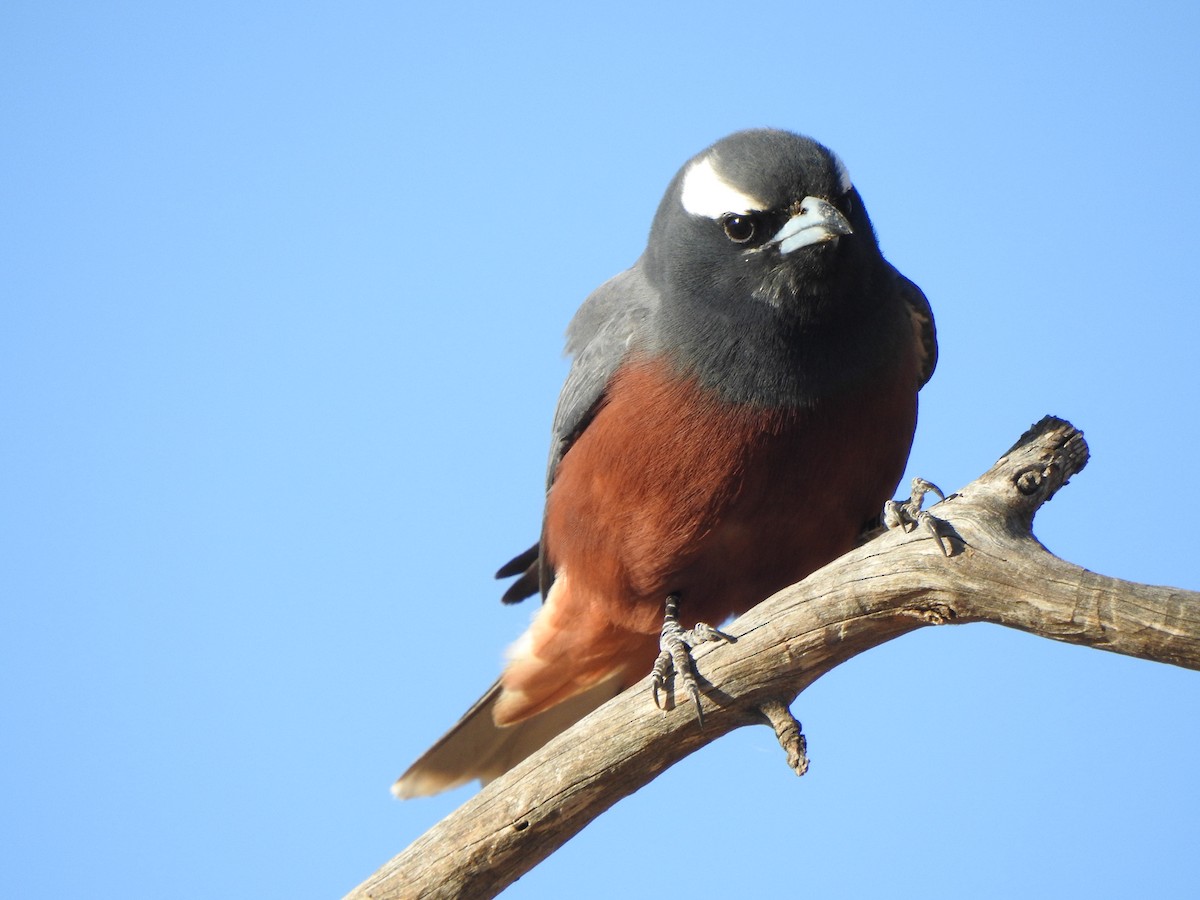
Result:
[{"x": 476, "y": 747}]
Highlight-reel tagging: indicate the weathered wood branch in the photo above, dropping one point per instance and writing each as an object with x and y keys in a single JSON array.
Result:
[{"x": 996, "y": 571}]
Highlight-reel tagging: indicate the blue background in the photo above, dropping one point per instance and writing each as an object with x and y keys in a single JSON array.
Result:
[{"x": 283, "y": 294}]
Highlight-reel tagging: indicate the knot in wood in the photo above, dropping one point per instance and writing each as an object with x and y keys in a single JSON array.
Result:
[
  {"x": 936, "y": 614},
  {"x": 1029, "y": 480}
]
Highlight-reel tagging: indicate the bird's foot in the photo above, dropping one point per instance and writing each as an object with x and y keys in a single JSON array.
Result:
[
  {"x": 675, "y": 645},
  {"x": 908, "y": 515}
]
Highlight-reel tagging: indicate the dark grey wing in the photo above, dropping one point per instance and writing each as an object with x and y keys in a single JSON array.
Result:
[
  {"x": 526, "y": 565},
  {"x": 598, "y": 338},
  {"x": 607, "y": 325},
  {"x": 924, "y": 332}
]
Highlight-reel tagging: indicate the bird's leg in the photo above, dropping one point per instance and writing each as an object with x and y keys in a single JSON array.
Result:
[
  {"x": 907, "y": 514},
  {"x": 675, "y": 654}
]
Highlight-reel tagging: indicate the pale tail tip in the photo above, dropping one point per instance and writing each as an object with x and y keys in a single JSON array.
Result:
[{"x": 424, "y": 784}]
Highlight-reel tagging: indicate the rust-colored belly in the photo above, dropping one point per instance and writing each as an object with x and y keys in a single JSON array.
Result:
[{"x": 670, "y": 490}]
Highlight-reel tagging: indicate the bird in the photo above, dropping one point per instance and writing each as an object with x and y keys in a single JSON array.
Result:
[{"x": 740, "y": 405}]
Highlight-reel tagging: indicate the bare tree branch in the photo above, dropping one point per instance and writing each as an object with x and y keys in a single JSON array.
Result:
[{"x": 996, "y": 571}]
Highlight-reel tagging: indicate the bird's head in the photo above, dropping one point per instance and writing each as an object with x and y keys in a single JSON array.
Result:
[{"x": 761, "y": 215}]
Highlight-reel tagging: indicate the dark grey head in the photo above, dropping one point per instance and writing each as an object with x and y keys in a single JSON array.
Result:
[
  {"x": 762, "y": 251},
  {"x": 764, "y": 213}
]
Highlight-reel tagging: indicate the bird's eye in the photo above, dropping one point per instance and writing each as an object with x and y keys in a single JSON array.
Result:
[{"x": 738, "y": 229}]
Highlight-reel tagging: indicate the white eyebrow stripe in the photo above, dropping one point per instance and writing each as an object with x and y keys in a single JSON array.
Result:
[{"x": 705, "y": 193}]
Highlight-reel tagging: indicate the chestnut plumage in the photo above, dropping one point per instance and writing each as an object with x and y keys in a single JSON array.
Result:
[{"x": 741, "y": 402}]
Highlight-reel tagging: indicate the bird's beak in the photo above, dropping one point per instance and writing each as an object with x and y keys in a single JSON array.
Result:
[{"x": 818, "y": 221}]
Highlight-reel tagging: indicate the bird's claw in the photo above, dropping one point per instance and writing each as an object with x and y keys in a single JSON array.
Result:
[
  {"x": 675, "y": 645},
  {"x": 908, "y": 515}
]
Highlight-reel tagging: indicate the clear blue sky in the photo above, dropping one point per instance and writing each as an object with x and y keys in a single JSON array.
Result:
[{"x": 284, "y": 288}]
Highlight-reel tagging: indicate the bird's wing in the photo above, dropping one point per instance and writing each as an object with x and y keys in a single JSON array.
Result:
[
  {"x": 600, "y": 335},
  {"x": 924, "y": 332},
  {"x": 598, "y": 338}
]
